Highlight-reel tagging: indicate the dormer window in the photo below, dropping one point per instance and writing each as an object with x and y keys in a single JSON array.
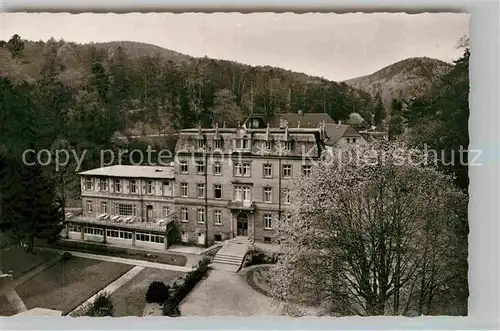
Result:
[
  {"x": 218, "y": 144},
  {"x": 201, "y": 144},
  {"x": 242, "y": 143},
  {"x": 288, "y": 146},
  {"x": 269, "y": 145}
]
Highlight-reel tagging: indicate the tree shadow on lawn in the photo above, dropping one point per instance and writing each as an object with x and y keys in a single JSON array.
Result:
[{"x": 67, "y": 284}]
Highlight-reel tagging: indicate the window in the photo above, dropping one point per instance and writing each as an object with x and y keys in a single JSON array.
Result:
[
  {"x": 306, "y": 170},
  {"x": 348, "y": 140},
  {"x": 217, "y": 168},
  {"x": 268, "y": 195},
  {"x": 117, "y": 185},
  {"x": 217, "y": 191},
  {"x": 184, "y": 215},
  {"x": 133, "y": 186},
  {"x": 201, "y": 143},
  {"x": 166, "y": 211},
  {"x": 268, "y": 218},
  {"x": 88, "y": 183},
  {"x": 126, "y": 210},
  {"x": 104, "y": 207},
  {"x": 74, "y": 228},
  {"x": 184, "y": 237},
  {"x": 287, "y": 170},
  {"x": 288, "y": 146},
  {"x": 94, "y": 231},
  {"x": 242, "y": 169},
  {"x": 255, "y": 123},
  {"x": 218, "y": 217},
  {"x": 267, "y": 240},
  {"x": 218, "y": 144},
  {"x": 184, "y": 189},
  {"x": 286, "y": 196},
  {"x": 353, "y": 140},
  {"x": 201, "y": 191},
  {"x": 200, "y": 167},
  {"x": 268, "y": 170},
  {"x": 238, "y": 193},
  {"x": 89, "y": 206},
  {"x": 242, "y": 193},
  {"x": 246, "y": 194},
  {"x": 167, "y": 190},
  {"x": 217, "y": 237},
  {"x": 125, "y": 235},
  {"x": 104, "y": 185},
  {"x": 149, "y": 187},
  {"x": 184, "y": 167},
  {"x": 201, "y": 215},
  {"x": 141, "y": 237},
  {"x": 269, "y": 145},
  {"x": 242, "y": 143}
]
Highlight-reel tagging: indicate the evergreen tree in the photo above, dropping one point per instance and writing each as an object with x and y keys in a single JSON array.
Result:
[
  {"x": 15, "y": 45},
  {"x": 379, "y": 114}
]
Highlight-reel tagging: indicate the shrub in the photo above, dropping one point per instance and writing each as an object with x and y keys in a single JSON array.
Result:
[
  {"x": 102, "y": 306},
  {"x": 170, "y": 306},
  {"x": 257, "y": 256},
  {"x": 157, "y": 292},
  {"x": 67, "y": 256},
  {"x": 171, "y": 309}
]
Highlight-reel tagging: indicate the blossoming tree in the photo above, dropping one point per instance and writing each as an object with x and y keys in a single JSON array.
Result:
[{"x": 371, "y": 232}]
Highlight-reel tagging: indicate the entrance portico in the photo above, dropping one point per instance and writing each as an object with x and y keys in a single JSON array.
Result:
[{"x": 242, "y": 223}]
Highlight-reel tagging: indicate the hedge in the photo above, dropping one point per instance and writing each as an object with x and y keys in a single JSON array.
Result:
[{"x": 180, "y": 291}]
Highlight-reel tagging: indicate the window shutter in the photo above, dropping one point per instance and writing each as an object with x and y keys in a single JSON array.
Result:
[
  {"x": 143, "y": 187},
  {"x": 160, "y": 188},
  {"x": 128, "y": 186}
]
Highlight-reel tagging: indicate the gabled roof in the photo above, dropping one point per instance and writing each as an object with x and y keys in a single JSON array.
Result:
[
  {"x": 130, "y": 171},
  {"x": 336, "y": 131}
]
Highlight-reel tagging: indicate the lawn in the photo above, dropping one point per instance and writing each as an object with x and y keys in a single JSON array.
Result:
[
  {"x": 19, "y": 261},
  {"x": 5, "y": 308},
  {"x": 130, "y": 299},
  {"x": 67, "y": 284}
]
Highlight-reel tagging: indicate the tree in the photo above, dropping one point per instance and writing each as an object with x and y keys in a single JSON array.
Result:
[
  {"x": 15, "y": 45},
  {"x": 396, "y": 126},
  {"x": 443, "y": 119},
  {"x": 225, "y": 109},
  {"x": 379, "y": 114},
  {"x": 355, "y": 120},
  {"x": 369, "y": 234}
]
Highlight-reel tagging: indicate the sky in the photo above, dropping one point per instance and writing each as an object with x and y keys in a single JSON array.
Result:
[{"x": 333, "y": 46}]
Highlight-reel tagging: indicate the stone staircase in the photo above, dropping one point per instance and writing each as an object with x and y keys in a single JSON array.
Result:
[{"x": 230, "y": 257}]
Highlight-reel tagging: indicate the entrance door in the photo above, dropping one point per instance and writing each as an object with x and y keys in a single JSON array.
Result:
[
  {"x": 201, "y": 238},
  {"x": 242, "y": 225}
]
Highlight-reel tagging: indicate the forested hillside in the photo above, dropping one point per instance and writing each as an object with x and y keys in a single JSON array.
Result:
[{"x": 143, "y": 89}]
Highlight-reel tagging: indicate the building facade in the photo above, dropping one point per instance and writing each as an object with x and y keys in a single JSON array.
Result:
[
  {"x": 125, "y": 205},
  {"x": 223, "y": 183}
]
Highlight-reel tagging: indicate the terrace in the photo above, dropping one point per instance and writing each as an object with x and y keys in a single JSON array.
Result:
[{"x": 127, "y": 222}]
